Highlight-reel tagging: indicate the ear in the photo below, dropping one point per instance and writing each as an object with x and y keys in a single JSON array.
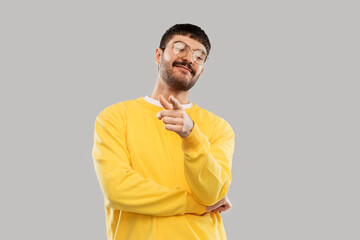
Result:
[{"x": 158, "y": 53}]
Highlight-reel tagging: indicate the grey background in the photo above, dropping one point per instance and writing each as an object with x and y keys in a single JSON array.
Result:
[{"x": 284, "y": 74}]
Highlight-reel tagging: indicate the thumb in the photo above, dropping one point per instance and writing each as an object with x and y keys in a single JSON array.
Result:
[
  {"x": 176, "y": 104},
  {"x": 164, "y": 103}
]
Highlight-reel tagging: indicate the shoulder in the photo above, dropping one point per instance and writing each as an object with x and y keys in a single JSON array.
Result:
[
  {"x": 117, "y": 111},
  {"x": 218, "y": 123},
  {"x": 216, "y": 119},
  {"x": 119, "y": 107}
]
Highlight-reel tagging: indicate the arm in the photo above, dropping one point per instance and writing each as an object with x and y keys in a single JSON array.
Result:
[
  {"x": 125, "y": 189},
  {"x": 208, "y": 163}
]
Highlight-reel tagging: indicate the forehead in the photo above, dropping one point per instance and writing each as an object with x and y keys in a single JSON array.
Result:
[{"x": 193, "y": 44}]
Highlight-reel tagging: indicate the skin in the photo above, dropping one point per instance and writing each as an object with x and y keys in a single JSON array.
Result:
[
  {"x": 221, "y": 206},
  {"x": 176, "y": 76},
  {"x": 167, "y": 58}
]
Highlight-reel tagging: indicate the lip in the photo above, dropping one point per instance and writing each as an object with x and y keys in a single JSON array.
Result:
[{"x": 183, "y": 67}]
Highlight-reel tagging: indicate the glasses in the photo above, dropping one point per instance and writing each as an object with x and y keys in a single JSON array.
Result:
[{"x": 181, "y": 49}]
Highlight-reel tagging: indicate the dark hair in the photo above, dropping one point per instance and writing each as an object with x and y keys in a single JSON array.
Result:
[{"x": 189, "y": 30}]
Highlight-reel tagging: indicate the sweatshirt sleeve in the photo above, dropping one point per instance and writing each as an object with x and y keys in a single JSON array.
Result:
[
  {"x": 207, "y": 164},
  {"x": 125, "y": 189}
]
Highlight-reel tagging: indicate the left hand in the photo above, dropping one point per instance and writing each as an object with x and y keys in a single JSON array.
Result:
[
  {"x": 225, "y": 205},
  {"x": 175, "y": 117}
]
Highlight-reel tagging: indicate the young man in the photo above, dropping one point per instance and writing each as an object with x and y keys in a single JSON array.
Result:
[{"x": 163, "y": 163}]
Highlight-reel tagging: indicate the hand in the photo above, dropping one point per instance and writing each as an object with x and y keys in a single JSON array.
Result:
[
  {"x": 221, "y": 206},
  {"x": 175, "y": 117}
]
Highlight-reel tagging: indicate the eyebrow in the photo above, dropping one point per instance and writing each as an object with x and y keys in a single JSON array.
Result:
[{"x": 191, "y": 48}]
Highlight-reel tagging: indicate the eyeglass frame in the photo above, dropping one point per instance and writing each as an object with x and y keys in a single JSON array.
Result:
[{"x": 193, "y": 55}]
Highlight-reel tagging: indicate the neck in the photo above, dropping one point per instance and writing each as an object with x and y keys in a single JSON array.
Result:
[{"x": 161, "y": 88}]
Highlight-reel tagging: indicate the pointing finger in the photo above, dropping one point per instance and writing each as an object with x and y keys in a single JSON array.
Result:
[{"x": 169, "y": 113}]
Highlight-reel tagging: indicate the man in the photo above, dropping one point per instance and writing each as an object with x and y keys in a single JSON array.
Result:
[{"x": 163, "y": 163}]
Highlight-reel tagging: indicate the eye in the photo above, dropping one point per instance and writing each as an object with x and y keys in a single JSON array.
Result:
[{"x": 199, "y": 55}]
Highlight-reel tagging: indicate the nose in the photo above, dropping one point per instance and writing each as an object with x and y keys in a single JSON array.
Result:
[{"x": 189, "y": 57}]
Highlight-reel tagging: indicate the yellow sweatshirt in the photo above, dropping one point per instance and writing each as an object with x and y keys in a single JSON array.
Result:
[{"x": 157, "y": 185}]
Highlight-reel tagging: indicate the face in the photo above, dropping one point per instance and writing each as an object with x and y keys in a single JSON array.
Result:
[{"x": 180, "y": 73}]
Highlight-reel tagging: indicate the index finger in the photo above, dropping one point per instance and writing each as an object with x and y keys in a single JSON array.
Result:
[{"x": 166, "y": 113}]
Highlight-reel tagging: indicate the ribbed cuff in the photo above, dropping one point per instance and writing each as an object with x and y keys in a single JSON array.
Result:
[
  {"x": 194, "y": 206},
  {"x": 194, "y": 141}
]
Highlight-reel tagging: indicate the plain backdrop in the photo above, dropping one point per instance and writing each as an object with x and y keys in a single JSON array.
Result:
[{"x": 284, "y": 74}]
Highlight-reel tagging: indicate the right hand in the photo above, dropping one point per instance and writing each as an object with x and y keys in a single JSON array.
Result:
[{"x": 221, "y": 206}]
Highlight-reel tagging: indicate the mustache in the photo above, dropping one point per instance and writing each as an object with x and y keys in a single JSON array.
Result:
[{"x": 188, "y": 65}]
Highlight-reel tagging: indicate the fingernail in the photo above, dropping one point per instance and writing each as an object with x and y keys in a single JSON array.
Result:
[{"x": 158, "y": 115}]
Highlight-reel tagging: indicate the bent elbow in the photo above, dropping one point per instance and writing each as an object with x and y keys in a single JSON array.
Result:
[{"x": 209, "y": 197}]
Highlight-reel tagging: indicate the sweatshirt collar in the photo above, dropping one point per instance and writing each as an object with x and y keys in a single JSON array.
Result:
[{"x": 157, "y": 102}]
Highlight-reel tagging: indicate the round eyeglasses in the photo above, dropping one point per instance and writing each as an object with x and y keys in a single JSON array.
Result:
[{"x": 181, "y": 49}]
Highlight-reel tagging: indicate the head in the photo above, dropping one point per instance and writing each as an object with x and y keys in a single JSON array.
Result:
[{"x": 181, "y": 71}]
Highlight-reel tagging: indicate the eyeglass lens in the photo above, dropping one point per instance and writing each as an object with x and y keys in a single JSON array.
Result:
[{"x": 182, "y": 49}]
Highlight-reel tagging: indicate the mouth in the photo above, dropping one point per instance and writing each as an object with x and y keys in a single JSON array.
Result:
[{"x": 184, "y": 68}]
